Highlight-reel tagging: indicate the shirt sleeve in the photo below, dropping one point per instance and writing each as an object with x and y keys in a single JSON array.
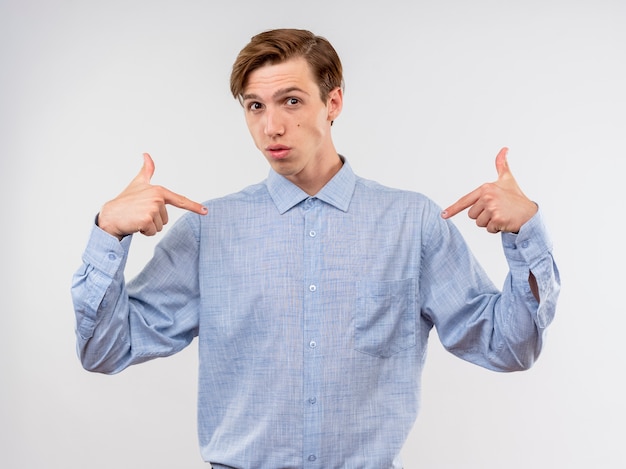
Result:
[
  {"x": 154, "y": 315},
  {"x": 502, "y": 330}
]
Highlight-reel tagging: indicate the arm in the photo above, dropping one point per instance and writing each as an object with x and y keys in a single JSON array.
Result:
[
  {"x": 155, "y": 315},
  {"x": 501, "y": 330}
]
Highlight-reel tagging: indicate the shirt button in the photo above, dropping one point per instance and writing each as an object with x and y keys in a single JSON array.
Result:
[
  {"x": 312, "y": 234},
  {"x": 312, "y": 344},
  {"x": 312, "y": 400},
  {"x": 312, "y": 457},
  {"x": 312, "y": 287},
  {"x": 112, "y": 256},
  {"x": 525, "y": 244}
]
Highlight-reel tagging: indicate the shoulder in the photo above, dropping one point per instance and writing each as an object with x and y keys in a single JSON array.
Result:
[
  {"x": 230, "y": 207},
  {"x": 251, "y": 194},
  {"x": 379, "y": 194}
]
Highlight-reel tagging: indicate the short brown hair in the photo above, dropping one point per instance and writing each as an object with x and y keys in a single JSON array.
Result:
[{"x": 279, "y": 45}]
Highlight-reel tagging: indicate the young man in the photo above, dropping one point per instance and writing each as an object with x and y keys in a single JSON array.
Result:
[{"x": 313, "y": 292}]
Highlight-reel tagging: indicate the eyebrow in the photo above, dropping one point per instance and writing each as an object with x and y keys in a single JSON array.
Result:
[{"x": 277, "y": 94}]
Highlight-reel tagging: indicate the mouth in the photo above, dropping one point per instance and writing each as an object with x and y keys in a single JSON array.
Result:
[{"x": 278, "y": 152}]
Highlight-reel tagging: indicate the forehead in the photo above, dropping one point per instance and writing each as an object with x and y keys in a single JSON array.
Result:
[{"x": 293, "y": 73}]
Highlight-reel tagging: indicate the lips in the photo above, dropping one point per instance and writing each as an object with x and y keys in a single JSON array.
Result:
[{"x": 278, "y": 151}]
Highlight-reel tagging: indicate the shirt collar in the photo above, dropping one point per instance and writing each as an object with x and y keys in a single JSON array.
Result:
[{"x": 337, "y": 192}]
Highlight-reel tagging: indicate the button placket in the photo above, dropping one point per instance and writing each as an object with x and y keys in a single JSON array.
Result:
[{"x": 311, "y": 338}]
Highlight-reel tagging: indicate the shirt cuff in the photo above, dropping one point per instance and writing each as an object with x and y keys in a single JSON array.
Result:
[
  {"x": 531, "y": 244},
  {"x": 105, "y": 252}
]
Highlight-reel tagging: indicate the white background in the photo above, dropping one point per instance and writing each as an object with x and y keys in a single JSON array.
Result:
[{"x": 433, "y": 91}]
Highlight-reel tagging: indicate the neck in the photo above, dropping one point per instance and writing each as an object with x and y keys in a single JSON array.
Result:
[{"x": 323, "y": 174}]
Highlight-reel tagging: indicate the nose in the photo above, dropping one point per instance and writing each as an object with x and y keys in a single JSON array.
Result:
[{"x": 273, "y": 124}]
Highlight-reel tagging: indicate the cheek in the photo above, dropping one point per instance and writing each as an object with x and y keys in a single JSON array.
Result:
[{"x": 256, "y": 131}]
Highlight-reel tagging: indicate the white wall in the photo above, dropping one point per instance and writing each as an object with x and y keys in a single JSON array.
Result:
[{"x": 434, "y": 89}]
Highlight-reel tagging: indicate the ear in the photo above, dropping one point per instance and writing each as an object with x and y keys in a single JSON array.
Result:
[{"x": 334, "y": 103}]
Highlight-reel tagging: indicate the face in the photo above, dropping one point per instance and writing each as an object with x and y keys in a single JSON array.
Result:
[{"x": 290, "y": 124}]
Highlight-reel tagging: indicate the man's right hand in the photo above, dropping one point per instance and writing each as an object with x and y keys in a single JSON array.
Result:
[{"x": 141, "y": 206}]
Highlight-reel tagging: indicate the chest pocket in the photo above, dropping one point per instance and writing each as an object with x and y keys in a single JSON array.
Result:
[{"x": 385, "y": 317}]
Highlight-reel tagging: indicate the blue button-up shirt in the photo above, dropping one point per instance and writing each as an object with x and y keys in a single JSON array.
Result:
[{"x": 313, "y": 315}]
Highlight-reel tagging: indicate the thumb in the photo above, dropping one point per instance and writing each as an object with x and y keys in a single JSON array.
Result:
[
  {"x": 502, "y": 164},
  {"x": 147, "y": 170}
]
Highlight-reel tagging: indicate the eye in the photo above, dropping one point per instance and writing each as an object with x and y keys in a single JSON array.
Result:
[
  {"x": 255, "y": 106},
  {"x": 292, "y": 101}
]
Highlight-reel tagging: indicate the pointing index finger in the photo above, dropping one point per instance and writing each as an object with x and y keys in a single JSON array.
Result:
[
  {"x": 180, "y": 201},
  {"x": 464, "y": 202}
]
